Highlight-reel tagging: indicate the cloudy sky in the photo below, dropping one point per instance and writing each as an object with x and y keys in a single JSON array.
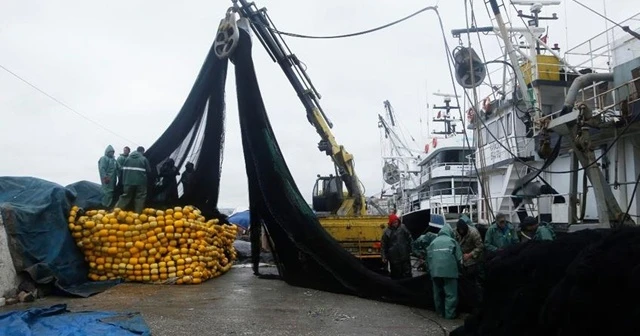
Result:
[{"x": 129, "y": 65}]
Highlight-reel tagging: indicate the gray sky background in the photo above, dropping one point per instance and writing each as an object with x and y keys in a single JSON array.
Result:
[{"x": 129, "y": 65}]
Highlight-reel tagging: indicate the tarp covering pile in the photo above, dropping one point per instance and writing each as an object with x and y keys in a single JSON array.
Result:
[
  {"x": 56, "y": 320},
  {"x": 242, "y": 219},
  {"x": 34, "y": 213},
  {"x": 584, "y": 283}
]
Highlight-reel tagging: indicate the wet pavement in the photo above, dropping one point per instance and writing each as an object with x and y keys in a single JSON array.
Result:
[{"x": 238, "y": 303}]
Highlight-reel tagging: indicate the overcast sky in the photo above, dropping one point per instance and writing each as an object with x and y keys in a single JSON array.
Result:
[{"x": 129, "y": 66}]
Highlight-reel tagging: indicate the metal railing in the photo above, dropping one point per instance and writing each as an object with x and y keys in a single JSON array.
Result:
[
  {"x": 427, "y": 171},
  {"x": 595, "y": 53},
  {"x": 504, "y": 205},
  {"x": 604, "y": 102},
  {"x": 445, "y": 197}
]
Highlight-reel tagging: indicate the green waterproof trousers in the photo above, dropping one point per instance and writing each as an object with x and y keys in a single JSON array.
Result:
[
  {"x": 137, "y": 193},
  {"x": 445, "y": 296},
  {"x": 107, "y": 194}
]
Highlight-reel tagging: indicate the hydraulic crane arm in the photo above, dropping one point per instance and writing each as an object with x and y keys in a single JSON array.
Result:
[{"x": 263, "y": 27}]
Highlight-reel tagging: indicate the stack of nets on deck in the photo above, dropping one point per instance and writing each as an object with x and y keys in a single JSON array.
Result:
[{"x": 584, "y": 283}]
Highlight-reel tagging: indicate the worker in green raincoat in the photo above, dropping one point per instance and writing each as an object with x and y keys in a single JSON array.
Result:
[
  {"x": 531, "y": 230},
  {"x": 419, "y": 248},
  {"x": 134, "y": 175},
  {"x": 444, "y": 257},
  {"x": 501, "y": 234},
  {"x": 108, "y": 170},
  {"x": 467, "y": 220},
  {"x": 120, "y": 186}
]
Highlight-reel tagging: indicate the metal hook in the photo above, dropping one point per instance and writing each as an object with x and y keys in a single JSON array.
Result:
[{"x": 228, "y": 35}]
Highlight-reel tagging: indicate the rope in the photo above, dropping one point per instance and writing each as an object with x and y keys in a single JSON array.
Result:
[
  {"x": 65, "y": 105},
  {"x": 450, "y": 62},
  {"x": 364, "y": 32},
  {"x": 633, "y": 195}
]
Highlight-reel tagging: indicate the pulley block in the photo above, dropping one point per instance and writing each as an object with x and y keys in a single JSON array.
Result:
[
  {"x": 228, "y": 35},
  {"x": 469, "y": 68}
]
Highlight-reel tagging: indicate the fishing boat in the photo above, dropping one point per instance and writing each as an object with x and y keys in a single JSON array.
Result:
[
  {"x": 436, "y": 185},
  {"x": 557, "y": 133}
]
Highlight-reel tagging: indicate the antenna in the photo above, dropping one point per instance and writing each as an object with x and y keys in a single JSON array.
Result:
[
  {"x": 535, "y": 18},
  {"x": 446, "y": 119}
]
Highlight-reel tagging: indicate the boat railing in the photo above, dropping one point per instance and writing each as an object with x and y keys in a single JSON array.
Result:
[
  {"x": 457, "y": 195},
  {"x": 533, "y": 205},
  {"x": 492, "y": 152},
  {"x": 604, "y": 103},
  {"x": 427, "y": 171},
  {"x": 595, "y": 53}
]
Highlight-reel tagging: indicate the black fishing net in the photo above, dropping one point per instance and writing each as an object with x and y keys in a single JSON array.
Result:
[
  {"x": 305, "y": 254},
  {"x": 584, "y": 283},
  {"x": 196, "y": 135}
]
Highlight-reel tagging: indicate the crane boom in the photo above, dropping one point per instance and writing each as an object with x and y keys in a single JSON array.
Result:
[{"x": 273, "y": 42}]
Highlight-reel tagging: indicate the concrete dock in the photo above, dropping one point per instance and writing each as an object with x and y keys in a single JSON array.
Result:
[{"x": 238, "y": 303}]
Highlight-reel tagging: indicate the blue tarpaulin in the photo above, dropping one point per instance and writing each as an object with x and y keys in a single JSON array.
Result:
[
  {"x": 241, "y": 219},
  {"x": 34, "y": 213},
  {"x": 88, "y": 194},
  {"x": 56, "y": 320}
]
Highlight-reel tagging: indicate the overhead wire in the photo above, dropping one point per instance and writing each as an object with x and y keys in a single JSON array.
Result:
[
  {"x": 363, "y": 32},
  {"x": 64, "y": 105},
  {"x": 484, "y": 58},
  {"x": 455, "y": 91},
  {"x": 481, "y": 176},
  {"x": 433, "y": 8}
]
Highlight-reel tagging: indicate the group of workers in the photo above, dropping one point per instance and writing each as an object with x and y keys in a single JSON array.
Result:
[
  {"x": 454, "y": 253},
  {"x": 127, "y": 180}
]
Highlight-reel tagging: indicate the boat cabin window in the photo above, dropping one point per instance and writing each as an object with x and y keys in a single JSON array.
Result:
[
  {"x": 465, "y": 187},
  {"x": 452, "y": 156},
  {"x": 493, "y": 131},
  {"x": 500, "y": 128},
  {"x": 440, "y": 188},
  {"x": 508, "y": 124}
]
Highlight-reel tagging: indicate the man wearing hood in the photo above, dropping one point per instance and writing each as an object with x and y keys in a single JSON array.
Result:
[
  {"x": 396, "y": 248},
  {"x": 500, "y": 235},
  {"x": 108, "y": 169},
  {"x": 531, "y": 230},
  {"x": 470, "y": 242},
  {"x": 444, "y": 257},
  {"x": 134, "y": 176}
]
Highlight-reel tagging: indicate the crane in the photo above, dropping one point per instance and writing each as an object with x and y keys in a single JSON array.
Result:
[{"x": 328, "y": 195}]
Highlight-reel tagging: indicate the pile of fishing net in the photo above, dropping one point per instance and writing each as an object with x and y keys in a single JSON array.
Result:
[
  {"x": 157, "y": 246},
  {"x": 584, "y": 283}
]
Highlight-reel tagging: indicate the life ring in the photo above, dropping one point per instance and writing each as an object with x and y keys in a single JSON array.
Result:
[
  {"x": 434, "y": 142},
  {"x": 426, "y": 148}
]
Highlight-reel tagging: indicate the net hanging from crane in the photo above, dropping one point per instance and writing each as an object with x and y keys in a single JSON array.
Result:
[
  {"x": 306, "y": 255},
  {"x": 196, "y": 135}
]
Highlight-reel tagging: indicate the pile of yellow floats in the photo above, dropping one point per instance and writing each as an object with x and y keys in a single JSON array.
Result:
[{"x": 172, "y": 246}]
